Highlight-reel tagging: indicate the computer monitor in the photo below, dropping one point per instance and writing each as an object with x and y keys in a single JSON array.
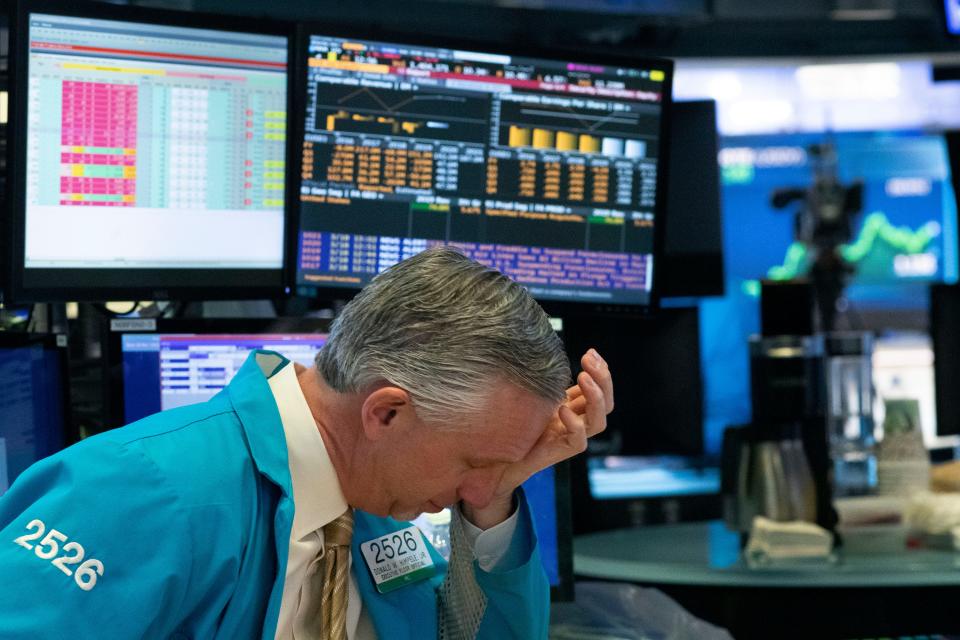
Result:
[
  {"x": 175, "y": 362},
  {"x": 548, "y": 168},
  {"x": 653, "y": 446},
  {"x": 170, "y": 363},
  {"x": 148, "y": 154},
  {"x": 692, "y": 259},
  {"x": 656, "y": 362},
  {"x": 34, "y": 401}
]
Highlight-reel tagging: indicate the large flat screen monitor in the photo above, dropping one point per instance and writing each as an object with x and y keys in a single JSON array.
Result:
[
  {"x": 548, "y": 169},
  {"x": 149, "y": 154},
  {"x": 655, "y": 444},
  {"x": 178, "y": 362},
  {"x": 34, "y": 401},
  {"x": 657, "y": 362}
]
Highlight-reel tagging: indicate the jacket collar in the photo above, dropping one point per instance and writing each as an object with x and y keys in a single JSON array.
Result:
[
  {"x": 253, "y": 401},
  {"x": 250, "y": 395}
]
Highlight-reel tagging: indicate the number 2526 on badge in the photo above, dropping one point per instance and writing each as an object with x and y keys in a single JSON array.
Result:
[{"x": 398, "y": 559}]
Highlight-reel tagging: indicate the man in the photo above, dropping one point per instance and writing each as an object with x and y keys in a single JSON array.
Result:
[{"x": 441, "y": 384}]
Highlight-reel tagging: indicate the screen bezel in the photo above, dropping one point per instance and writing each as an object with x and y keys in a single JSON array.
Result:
[
  {"x": 114, "y": 329},
  {"x": 98, "y": 284},
  {"x": 554, "y": 307}
]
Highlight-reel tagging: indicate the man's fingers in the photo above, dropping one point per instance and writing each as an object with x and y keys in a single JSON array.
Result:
[
  {"x": 595, "y": 416},
  {"x": 578, "y": 406},
  {"x": 576, "y": 440},
  {"x": 583, "y": 414},
  {"x": 597, "y": 368}
]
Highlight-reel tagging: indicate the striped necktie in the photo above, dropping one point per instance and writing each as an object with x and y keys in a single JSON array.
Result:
[{"x": 322, "y": 614}]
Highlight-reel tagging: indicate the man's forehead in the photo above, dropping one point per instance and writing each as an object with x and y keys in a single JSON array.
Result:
[{"x": 513, "y": 423}]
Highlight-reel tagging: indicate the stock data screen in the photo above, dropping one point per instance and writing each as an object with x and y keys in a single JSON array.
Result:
[
  {"x": 153, "y": 146},
  {"x": 163, "y": 371},
  {"x": 546, "y": 170}
]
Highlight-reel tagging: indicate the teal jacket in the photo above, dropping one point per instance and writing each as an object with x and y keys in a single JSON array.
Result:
[{"x": 177, "y": 526}]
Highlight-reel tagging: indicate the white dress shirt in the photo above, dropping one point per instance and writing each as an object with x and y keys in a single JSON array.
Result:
[{"x": 318, "y": 500}]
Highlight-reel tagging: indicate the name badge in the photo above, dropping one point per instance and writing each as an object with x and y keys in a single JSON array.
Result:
[{"x": 398, "y": 559}]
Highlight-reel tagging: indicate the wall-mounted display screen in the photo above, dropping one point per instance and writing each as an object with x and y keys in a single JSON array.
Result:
[
  {"x": 546, "y": 169},
  {"x": 151, "y": 157}
]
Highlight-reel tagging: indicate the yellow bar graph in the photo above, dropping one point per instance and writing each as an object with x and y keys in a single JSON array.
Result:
[
  {"x": 519, "y": 136},
  {"x": 547, "y": 139},
  {"x": 129, "y": 172},
  {"x": 589, "y": 144},
  {"x": 543, "y": 139},
  {"x": 566, "y": 141}
]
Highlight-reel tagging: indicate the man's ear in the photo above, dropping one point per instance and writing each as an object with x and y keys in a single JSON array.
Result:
[{"x": 385, "y": 410}]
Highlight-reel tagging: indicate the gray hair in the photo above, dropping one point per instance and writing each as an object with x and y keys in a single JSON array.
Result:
[{"x": 444, "y": 328}]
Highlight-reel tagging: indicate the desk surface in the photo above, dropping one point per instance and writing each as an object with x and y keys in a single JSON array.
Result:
[{"x": 706, "y": 554}]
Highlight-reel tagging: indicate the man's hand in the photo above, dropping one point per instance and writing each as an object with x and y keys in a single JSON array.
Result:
[{"x": 582, "y": 415}]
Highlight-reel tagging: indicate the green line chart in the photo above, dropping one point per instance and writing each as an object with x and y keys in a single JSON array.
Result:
[{"x": 877, "y": 236}]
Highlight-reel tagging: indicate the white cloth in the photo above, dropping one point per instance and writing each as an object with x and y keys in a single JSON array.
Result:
[{"x": 318, "y": 500}]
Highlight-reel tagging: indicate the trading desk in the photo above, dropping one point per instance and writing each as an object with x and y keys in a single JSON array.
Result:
[{"x": 861, "y": 595}]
